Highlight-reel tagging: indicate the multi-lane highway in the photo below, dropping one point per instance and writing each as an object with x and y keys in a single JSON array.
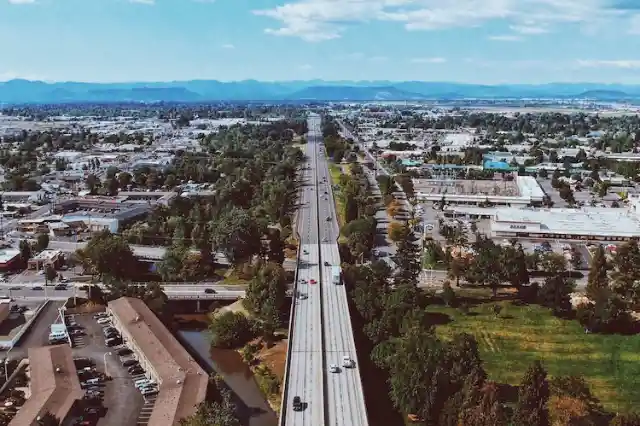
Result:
[
  {"x": 321, "y": 336},
  {"x": 344, "y": 394},
  {"x": 305, "y": 375}
]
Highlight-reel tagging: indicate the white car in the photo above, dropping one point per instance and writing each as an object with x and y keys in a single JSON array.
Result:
[
  {"x": 347, "y": 362},
  {"x": 104, "y": 320},
  {"x": 334, "y": 368}
]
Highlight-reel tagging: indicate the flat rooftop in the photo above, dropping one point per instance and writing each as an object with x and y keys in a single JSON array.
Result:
[
  {"x": 47, "y": 254},
  {"x": 7, "y": 254},
  {"x": 467, "y": 187},
  {"x": 183, "y": 383},
  {"x": 615, "y": 222},
  {"x": 54, "y": 385}
]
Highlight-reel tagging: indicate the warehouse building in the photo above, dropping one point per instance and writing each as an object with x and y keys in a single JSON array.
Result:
[{"x": 182, "y": 382}]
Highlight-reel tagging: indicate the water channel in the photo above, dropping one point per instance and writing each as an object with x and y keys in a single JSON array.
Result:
[{"x": 229, "y": 365}]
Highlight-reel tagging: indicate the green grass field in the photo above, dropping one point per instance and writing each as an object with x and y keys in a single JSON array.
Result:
[
  {"x": 335, "y": 171},
  {"x": 511, "y": 342}
]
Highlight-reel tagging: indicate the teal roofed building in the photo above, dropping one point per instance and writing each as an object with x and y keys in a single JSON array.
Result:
[
  {"x": 497, "y": 165},
  {"x": 411, "y": 163}
]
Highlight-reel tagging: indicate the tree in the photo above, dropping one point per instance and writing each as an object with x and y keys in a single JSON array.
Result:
[
  {"x": 630, "y": 419},
  {"x": 25, "y": 251},
  {"x": 598, "y": 280},
  {"x": 515, "y": 265},
  {"x": 230, "y": 330},
  {"x": 276, "y": 247},
  {"x": 448, "y": 295},
  {"x": 396, "y": 231},
  {"x": 625, "y": 276},
  {"x": 407, "y": 260},
  {"x": 572, "y": 403},
  {"x": 108, "y": 255},
  {"x": 42, "y": 242},
  {"x": 93, "y": 183},
  {"x": 532, "y": 398},
  {"x": 50, "y": 274},
  {"x": 556, "y": 291},
  {"x": 220, "y": 413},
  {"x": 48, "y": 419},
  {"x": 488, "y": 411},
  {"x": 236, "y": 234},
  {"x": 265, "y": 294},
  {"x": 486, "y": 267}
]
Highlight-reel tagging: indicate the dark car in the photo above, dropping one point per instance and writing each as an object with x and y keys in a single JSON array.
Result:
[
  {"x": 15, "y": 287},
  {"x": 136, "y": 370},
  {"x": 297, "y": 403},
  {"x": 129, "y": 363},
  {"x": 124, "y": 351},
  {"x": 60, "y": 287},
  {"x": 37, "y": 288},
  {"x": 209, "y": 291}
]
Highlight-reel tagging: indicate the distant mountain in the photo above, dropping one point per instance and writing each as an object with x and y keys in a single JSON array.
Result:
[
  {"x": 24, "y": 91},
  {"x": 353, "y": 93}
]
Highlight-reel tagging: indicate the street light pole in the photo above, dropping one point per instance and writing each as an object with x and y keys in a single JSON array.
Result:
[{"x": 104, "y": 359}]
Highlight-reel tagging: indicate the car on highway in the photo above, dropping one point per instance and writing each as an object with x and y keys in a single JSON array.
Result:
[
  {"x": 37, "y": 288},
  {"x": 312, "y": 281},
  {"x": 209, "y": 291},
  {"x": 328, "y": 218},
  {"x": 15, "y": 288},
  {"x": 334, "y": 368},
  {"x": 60, "y": 287},
  {"x": 347, "y": 362},
  {"x": 297, "y": 403}
]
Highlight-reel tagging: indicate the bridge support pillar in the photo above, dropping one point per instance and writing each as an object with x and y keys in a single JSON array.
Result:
[{"x": 198, "y": 309}]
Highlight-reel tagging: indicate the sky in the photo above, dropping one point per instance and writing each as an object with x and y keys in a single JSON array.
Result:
[{"x": 472, "y": 41}]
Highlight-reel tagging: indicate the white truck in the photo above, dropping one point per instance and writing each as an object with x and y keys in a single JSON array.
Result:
[{"x": 336, "y": 273}]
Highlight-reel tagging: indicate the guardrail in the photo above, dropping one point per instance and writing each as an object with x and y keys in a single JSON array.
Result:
[{"x": 287, "y": 365}]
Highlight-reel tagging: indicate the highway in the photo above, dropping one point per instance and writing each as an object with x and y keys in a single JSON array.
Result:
[
  {"x": 344, "y": 394},
  {"x": 305, "y": 375}
]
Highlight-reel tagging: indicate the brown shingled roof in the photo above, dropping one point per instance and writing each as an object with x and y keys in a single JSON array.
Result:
[
  {"x": 54, "y": 385},
  {"x": 183, "y": 383}
]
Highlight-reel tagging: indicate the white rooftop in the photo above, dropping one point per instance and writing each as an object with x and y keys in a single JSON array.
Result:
[
  {"x": 615, "y": 222},
  {"x": 7, "y": 254}
]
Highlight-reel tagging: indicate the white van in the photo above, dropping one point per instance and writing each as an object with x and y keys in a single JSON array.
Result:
[{"x": 95, "y": 381}]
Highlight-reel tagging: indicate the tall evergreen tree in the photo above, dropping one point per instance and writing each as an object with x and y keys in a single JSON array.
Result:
[
  {"x": 598, "y": 281},
  {"x": 407, "y": 259},
  {"x": 533, "y": 395}
]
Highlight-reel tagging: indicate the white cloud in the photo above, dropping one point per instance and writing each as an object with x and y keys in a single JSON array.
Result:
[
  {"x": 600, "y": 63},
  {"x": 378, "y": 59},
  {"x": 318, "y": 20},
  {"x": 428, "y": 60},
  {"x": 147, "y": 2},
  {"x": 505, "y": 37},
  {"x": 228, "y": 46},
  {"x": 22, "y": 1},
  {"x": 305, "y": 67}
]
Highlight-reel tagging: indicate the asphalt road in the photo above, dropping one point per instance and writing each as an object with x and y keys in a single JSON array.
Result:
[
  {"x": 305, "y": 374},
  {"x": 344, "y": 397}
]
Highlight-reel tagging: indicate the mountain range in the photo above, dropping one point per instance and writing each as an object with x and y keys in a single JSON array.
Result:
[{"x": 33, "y": 92}]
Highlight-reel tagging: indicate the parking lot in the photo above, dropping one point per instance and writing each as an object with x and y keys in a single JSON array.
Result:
[{"x": 124, "y": 404}]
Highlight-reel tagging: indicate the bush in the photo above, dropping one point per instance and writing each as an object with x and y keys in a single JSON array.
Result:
[{"x": 230, "y": 330}]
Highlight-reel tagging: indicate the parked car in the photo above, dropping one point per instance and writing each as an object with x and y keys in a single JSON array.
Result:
[
  {"x": 129, "y": 362},
  {"x": 124, "y": 352}
]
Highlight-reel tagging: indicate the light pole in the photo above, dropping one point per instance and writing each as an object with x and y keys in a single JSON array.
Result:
[{"x": 104, "y": 359}]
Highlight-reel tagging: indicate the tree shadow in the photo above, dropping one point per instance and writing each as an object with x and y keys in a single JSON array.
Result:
[{"x": 438, "y": 318}]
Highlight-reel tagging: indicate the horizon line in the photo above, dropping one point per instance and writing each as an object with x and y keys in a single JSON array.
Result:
[{"x": 315, "y": 79}]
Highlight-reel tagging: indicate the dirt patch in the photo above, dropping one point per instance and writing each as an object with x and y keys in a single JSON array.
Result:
[
  {"x": 235, "y": 307},
  {"x": 275, "y": 357}
]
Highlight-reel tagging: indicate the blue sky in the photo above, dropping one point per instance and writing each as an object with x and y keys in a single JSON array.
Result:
[{"x": 476, "y": 41}]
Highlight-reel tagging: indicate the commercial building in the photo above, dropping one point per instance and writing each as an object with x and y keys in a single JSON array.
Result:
[
  {"x": 521, "y": 191},
  {"x": 54, "y": 385},
  {"x": 182, "y": 382},
  {"x": 586, "y": 223},
  {"x": 46, "y": 258},
  {"x": 8, "y": 258}
]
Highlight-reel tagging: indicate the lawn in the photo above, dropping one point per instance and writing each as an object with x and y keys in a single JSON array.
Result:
[
  {"x": 335, "y": 172},
  {"x": 511, "y": 342}
]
